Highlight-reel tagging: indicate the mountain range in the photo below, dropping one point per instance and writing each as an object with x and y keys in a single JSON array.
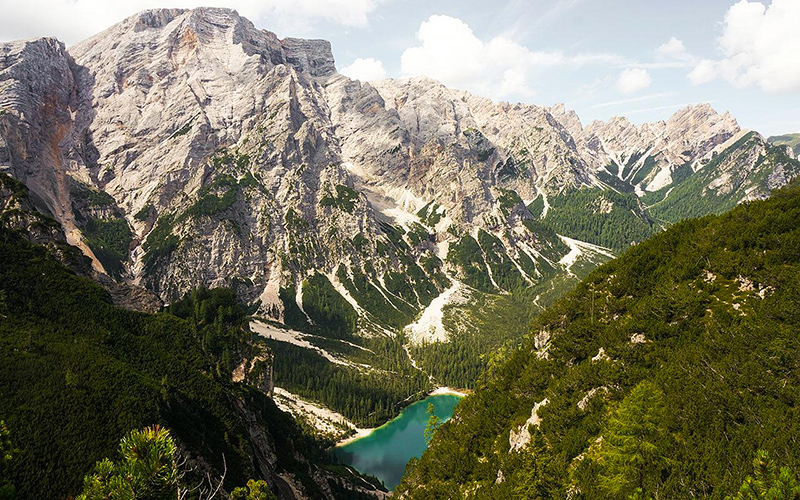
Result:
[{"x": 390, "y": 235}]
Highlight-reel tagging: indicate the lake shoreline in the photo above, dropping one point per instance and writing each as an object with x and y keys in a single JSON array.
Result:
[
  {"x": 362, "y": 433},
  {"x": 384, "y": 451}
]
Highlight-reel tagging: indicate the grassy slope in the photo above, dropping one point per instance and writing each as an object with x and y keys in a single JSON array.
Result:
[
  {"x": 792, "y": 140},
  {"x": 731, "y": 377}
]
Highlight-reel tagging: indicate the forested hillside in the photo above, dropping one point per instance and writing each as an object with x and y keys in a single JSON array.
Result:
[
  {"x": 77, "y": 374},
  {"x": 661, "y": 375}
]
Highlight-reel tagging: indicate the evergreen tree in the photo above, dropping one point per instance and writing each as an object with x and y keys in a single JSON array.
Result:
[
  {"x": 630, "y": 455},
  {"x": 255, "y": 490},
  {"x": 768, "y": 483},
  {"x": 433, "y": 423},
  {"x": 148, "y": 469},
  {"x": 534, "y": 479},
  {"x": 7, "y": 452}
]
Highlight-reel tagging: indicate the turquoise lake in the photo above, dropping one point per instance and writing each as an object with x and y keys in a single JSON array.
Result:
[{"x": 385, "y": 452}]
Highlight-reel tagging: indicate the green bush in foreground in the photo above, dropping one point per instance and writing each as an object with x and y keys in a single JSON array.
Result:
[
  {"x": 768, "y": 482},
  {"x": 150, "y": 468}
]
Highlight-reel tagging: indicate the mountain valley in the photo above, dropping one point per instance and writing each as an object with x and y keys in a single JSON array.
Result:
[{"x": 377, "y": 240}]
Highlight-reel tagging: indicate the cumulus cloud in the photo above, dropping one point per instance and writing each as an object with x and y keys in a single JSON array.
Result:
[
  {"x": 74, "y": 20},
  {"x": 366, "y": 70},
  {"x": 760, "y": 45},
  {"x": 673, "y": 49},
  {"x": 500, "y": 68},
  {"x": 633, "y": 80},
  {"x": 703, "y": 72}
]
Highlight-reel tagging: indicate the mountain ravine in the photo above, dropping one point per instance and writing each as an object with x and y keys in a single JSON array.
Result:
[{"x": 186, "y": 148}]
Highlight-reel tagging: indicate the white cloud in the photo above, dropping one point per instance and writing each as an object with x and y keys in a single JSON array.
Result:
[
  {"x": 74, "y": 20},
  {"x": 366, "y": 70},
  {"x": 760, "y": 45},
  {"x": 633, "y": 80},
  {"x": 703, "y": 72},
  {"x": 673, "y": 49},
  {"x": 499, "y": 68}
]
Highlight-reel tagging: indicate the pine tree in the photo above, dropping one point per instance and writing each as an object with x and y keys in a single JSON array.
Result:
[
  {"x": 768, "y": 483},
  {"x": 255, "y": 490},
  {"x": 433, "y": 423},
  {"x": 7, "y": 452},
  {"x": 148, "y": 469},
  {"x": 631, "y": 453}
]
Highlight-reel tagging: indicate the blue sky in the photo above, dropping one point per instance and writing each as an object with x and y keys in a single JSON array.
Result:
[{"x": 641, "y": 59}]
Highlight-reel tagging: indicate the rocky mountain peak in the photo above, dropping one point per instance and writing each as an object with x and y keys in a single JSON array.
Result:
[
  {"x": 568, "y": 118},
  {"x": 702, "y": 116},
  {"x": 196, "y": 122}
]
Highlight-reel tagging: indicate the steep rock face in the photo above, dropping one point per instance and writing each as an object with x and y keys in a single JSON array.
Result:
[
  {"x": 745, "y": 167},
  {"x": 645, "y": 157},
  {"x": 38, "y": 103},
  {"x": 204, "y": 125},
  {"x": 234, "y": 158}
]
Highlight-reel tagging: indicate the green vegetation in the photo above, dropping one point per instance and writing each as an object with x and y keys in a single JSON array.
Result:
[
  {"x": 606, "y": 218},
  {"x": 661, "y": 375},
  {"x": 392, "y": 312},
  {"x": 508, "y": 199},
  {"x": 184, "y": 129},
  {"x": 94, "y": 197},
  {"x": 768, "y": 482},
  {"x": 345, "y": 199},
  {"x": 110, "y": 240},
  {"x": 551, "y": 245},
  {"x": 536, "y": 207},
  {"x": 147, "y": 469},
  {"x": 689, "y": 198},
  {"x": 329, "y": 311},
  {"x": 791, "y": 140},
  {"x": 630, "y": 457},
  {"x": 433, "y": 423},
  {"x": 143, "y": 214},
  {"x": 150, "y": 467},
  {"x": 104, "y": 227},
  {"x": 215, "y": 199},
  {"x": 77, "y": 373},
  {"x": 467, "y": 254},
  {"x": 484, "y": 331},
  {"x": 367, "y": 396},
  {"x": 430, "y": 214},
  {"x": 209, "y": 203},
  {"x": 7, "y": 454},
  {"x": 255, "y": 490},
  {"x": 160, "y": 243},
  {"x": 504, "y": 272}
]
